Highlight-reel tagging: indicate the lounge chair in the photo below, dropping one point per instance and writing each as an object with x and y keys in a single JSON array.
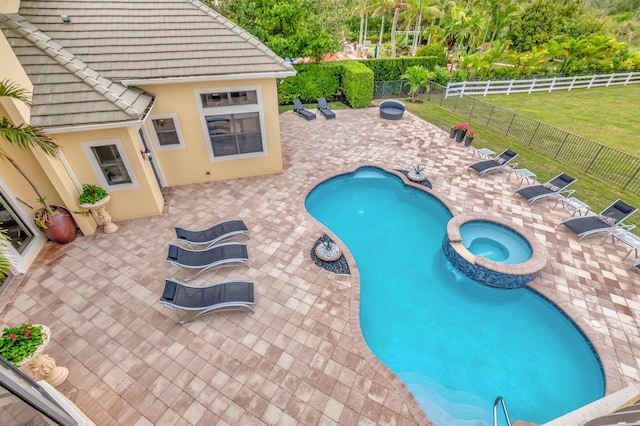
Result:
[
  {"x": 299, "y": 109},
  {"x": 214, "y": 234},
  {"x": 606, "y": 221},
  {"x": 494, "y": 164},
  {"x": 635, "y": 264},
  {"x": 556, "y": 187},
  {"x": 225, "y": 254},
  {"x": 231, "y": 295},
  {"x": 325, "y": 110}
]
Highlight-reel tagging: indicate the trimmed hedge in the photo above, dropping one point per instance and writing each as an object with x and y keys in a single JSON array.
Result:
[
  {"x": 311, "y": 82},
  {"x": 388, "y": 69},
  {"x": 357, "y": 84},
  {"x": 340, "y": 80}
]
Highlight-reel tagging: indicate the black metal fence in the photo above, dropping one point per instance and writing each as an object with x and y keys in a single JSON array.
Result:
[{"x": 607, "y": 163}]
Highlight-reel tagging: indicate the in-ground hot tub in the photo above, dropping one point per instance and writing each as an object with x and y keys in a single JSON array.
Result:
[{"x": 487, "y": 249}]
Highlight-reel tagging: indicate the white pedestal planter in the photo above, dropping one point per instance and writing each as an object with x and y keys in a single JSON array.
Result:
[{"x": 104, "y": 216}]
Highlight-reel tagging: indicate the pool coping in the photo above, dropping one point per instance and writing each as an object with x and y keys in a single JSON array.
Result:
[{"x": 613, "y": 378}]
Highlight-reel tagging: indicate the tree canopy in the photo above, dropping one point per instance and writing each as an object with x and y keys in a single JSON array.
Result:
[{"x": 291, "y": 28}]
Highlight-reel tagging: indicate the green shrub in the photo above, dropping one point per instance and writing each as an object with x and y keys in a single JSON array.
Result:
[
  {"x": 387, "y": 69},
  {"x": 433, "y": 49},
  {"x": 357, "y": 83},
  {"x": 311, "y": 82}
]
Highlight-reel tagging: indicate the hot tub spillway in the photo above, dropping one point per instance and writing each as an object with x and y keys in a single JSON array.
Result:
[{"x": 489, "y": 261}]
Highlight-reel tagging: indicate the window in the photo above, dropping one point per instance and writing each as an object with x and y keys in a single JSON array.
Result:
[
  {"x": 233, "y": 122},
  {"x": 234, "y": 134},
  {"x": 166, "y": 130},
  {"x": 217, "y": 99},
  {"x": 20, "y": 235},
  {"x": 110, "y": 164}
]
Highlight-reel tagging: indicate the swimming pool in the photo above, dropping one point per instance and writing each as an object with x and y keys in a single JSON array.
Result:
[{"x": 455, "y": 344}]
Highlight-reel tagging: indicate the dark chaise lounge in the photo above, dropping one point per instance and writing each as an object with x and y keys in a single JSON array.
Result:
[
  {"x": 325, "y": 109},
  {"x": 199, "y": 261},
  {"x": 501, "y": 162},
  {"x": 390, "y": 109},
  {"x": 606, "y": 221},
  {"x": 556, "y": 187},
  {"x": 299, "y": 109},
  {"x": 213, "y": 235},
  {"x": 231, "y": 295}
]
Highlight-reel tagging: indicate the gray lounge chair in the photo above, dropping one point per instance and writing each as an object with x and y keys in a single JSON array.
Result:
[
  {"x": 501, "y": 162},
  {"x": 299, "y": 109},
  {"x": 556, "y": 187},
  {"x": 231, "y": 295},
  {"x": 213, "y": 235},
  {"x": 606, "y": 221},
  {"x": 199, "y": 261},
  {"x": 325, "y": 110}
]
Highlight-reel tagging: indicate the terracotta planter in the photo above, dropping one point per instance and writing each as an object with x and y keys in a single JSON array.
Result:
[{"x": 61, "y": 227}]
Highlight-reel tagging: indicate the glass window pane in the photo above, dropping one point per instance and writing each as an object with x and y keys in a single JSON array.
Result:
[
  {"x": 18, "y": 233},
  {"x": 166, "y": 131},
  {"x": 224, "y": 145},
  {"x": 250, "y": 142},
  {"x": 111, "y": 164},
  {"x": 214, "y": 99},
  {"x": 244, "y": 98}
]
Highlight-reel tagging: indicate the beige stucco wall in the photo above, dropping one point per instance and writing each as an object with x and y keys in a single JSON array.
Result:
[
  {"x": 143, "y": 201},
  {"x": 17, "y": 111},
  {"x": 191, "y": 165}
]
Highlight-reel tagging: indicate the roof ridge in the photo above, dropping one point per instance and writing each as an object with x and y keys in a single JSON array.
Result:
[
  {"x": 100, "y": 84},
  {"x": 238, "y": 30}
]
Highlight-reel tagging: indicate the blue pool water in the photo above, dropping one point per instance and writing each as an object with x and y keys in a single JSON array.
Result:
[
  {"x": 495, "y": 242},
  {"x": 455, "y": 343}
]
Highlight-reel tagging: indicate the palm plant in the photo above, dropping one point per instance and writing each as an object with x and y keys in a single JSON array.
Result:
[
  {"x": 397, "y": 6},
  {"x": 416, "y": 76},
  {"x": 27, "y": 137},
  {"x": 384, "y": 7},
  {"x": 7, "y": 259}
]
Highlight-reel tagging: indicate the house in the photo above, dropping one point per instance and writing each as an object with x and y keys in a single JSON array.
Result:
[{"x": 140, "y": 95}]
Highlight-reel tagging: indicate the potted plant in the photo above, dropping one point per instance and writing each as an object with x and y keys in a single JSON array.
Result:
[
  {"x": 328, "y": 251},
  {"x": 20, "y": 344},
  {"x": 417, "y": 174},
  {"x": 95, "y": 198},
  {"x": 469, "y": 137},
  {"x": 56, "y": 222},
  {"x": 462, "y": 131}
]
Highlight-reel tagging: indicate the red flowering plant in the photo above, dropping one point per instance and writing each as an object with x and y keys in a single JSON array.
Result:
[
  {"x": 91, "y": 194},
  {"x": 18, "y": 343},
  {"x": 470, "y": 134}
]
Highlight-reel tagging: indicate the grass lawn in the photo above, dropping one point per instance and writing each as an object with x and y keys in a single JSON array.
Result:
[
  {"x": 605, "y": 115},
  {"x": 596, "y": 192}
]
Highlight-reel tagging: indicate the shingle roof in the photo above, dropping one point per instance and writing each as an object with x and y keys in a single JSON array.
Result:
[{"x": 77, "y": 79}]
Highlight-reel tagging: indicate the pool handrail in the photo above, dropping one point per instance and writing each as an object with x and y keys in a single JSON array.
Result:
[{"x": 504, "y": 409}]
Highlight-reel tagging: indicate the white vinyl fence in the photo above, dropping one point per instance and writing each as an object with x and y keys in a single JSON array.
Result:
[{"x": 539, "y": 84}]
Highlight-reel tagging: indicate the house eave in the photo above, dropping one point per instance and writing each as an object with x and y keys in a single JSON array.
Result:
[
  {"x": 196, "y": 79},
  {"x": 90, "y": 127}
]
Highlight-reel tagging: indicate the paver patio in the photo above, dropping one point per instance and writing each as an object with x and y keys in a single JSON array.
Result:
[{"x": 299, "y": 359}]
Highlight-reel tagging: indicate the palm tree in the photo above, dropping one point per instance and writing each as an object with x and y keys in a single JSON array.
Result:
[
  {"x": 416, "y": 76},
  {"x": 381, "y": 9},
  {"x": 24, "y": 136},
  {"x": 399, "y": 4},
  {"x": 419, "y": 9}
]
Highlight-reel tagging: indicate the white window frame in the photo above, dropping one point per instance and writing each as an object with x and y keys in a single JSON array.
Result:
[
  {"x": 86, "y": 146},
  {"x": 154, "y": 135},
  {"x": 232, "y": 109}
]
